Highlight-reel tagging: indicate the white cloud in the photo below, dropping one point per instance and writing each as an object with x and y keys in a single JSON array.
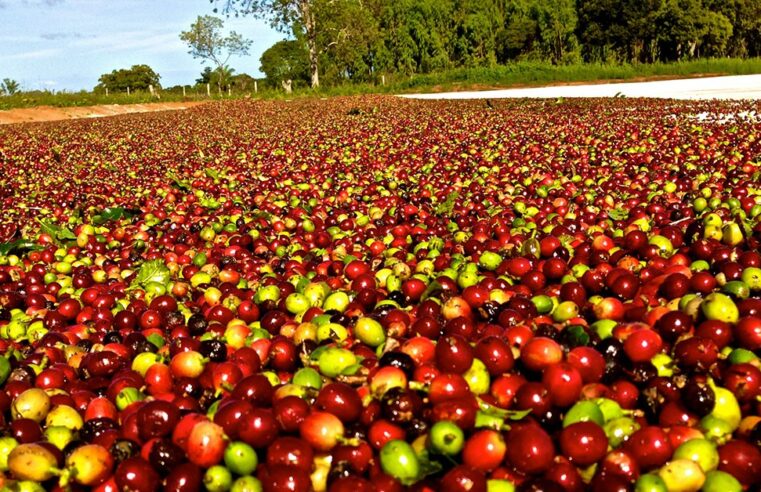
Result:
[{"x": 56, "y": 36}]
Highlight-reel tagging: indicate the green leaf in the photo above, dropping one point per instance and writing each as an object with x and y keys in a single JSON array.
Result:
[
  {"x": 577, "y": 336},
  {"x": 65, "y": 233},
  {"x": 182, "y": 185},
  {"x": 316, "y": 353},
  {"x": 435, "y": 243},
  {"x": 518, "y": 414},
  {"x": 428, "y": 466},
  {"x": 49, "y": 228},
  {"x": 212, "y": 173},
  {"x": 618, "y": 214},
  {"x": 502, "y": 413},
  {"x": 445, "y": 208},
  {"x": 18, "y": 246},
  {"x": 156, "y": 340},
  {"x": 153, "y": 271},
  {"x": 432, "y": 288},
  {"x": 352, "y": 369},
  {"x": 59, "y": 233},
  {"x": 113, "y": 214},
  {"x": 348, "y": 259}
]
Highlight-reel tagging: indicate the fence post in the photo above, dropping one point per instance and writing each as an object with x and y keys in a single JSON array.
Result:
[
  {"x": 106, "y": 91},
  {"x": 150, "y": 88},
  {"x": 208, "y": 90},
  {"x": 256, "y": 87},
  {"x": 128, "y": 90},
  {"x": 383, "y": 80},
  {"x": 229, "y": 91},
  {"x": 183, "y": 91}
]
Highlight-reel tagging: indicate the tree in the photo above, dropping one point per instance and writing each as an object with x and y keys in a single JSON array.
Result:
[
  {"x": 222, "y": 77},
  {"x": 9, "y": 87},
  {"x": 285, "y": 60},
  {"x": 717, "y": 31},
  {"x": 745, "y": 18},
  {"x": 136, "y": 78},
  {"x": 207, "y": 42},
  {"x": 557, "y": 21},
  {"x": 476, "y": 24},
  {"x": 297, "y": 16},
  {"x": 347, "y": 39},
  {"x": 626, "y": 28},
  {"x": 418, "y": 35},
  {"x": 516, "y": 39},
  {"x": 242, "y": 82},
  {"x": 205, "y": 77}
]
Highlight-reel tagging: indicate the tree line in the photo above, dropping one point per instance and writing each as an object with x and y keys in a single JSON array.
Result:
[
  {"x": 339, "y": 41},
  {"x": 361, "y": 41}
]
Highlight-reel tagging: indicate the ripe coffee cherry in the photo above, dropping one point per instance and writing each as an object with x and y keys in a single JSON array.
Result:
[
  {"x": 698, "y": 398},
  {"x": 530, "y": 449},
  {"x": 742, "y": 460},
  {"x": 564, "y": 382},
  {"x": 496, "y": 355},
  {"x": 454, "y": 354},
  {"x": 650, "y": 446},
  {"x": 583, "y": 443}
]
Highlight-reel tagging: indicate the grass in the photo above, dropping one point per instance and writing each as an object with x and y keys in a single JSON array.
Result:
[
  {"x": 530, "y": 73},
  {"x": 511, "y": 75},
  {"x": 72, "y": 99}
]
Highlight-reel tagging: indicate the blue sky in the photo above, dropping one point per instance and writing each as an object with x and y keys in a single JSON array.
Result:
[{"x": 68, "y": 44}]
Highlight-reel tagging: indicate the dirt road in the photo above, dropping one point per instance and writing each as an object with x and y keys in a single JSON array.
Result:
[{"x": 49, "y": 113}]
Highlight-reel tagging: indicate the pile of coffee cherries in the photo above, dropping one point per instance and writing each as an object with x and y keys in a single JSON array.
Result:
[{"x": 374, "y": 294}]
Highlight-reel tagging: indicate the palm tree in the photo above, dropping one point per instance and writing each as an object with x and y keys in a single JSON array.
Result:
[
  {"x": 223, "y": 77},
  {"x": 9, "y": 87}
]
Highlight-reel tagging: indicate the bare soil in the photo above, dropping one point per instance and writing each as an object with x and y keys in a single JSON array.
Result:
[{"x": 50, "y": 113}]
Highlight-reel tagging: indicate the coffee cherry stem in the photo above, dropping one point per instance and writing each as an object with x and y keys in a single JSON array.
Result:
[
  {"x": 65, "y": 477},
  {"x": 349, "y": 441},
  {"x": 418, "y": 386}
]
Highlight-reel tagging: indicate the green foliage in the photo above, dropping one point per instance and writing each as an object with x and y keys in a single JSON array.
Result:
[
  {"x": 242, "y": 82},
  {"x": 19, "y": 246},
  {"x": 295, "y": 16},
  {"x": 9, "y": 87},
  {"x": 113, "y": 214},
  {"x": 206, "y": 41},
  {"x": 136, "y": 78},
  {"x": 445, "y": 208},
  {"x": 541, "y": 73},
  {"x": 205, "y": 77},
  {"x": 556, "y": 21},
  {"x": 517, "y": 73},
  {"x": 152, "y": 271},
  {"x": 57, "y": 232},
  {"x": 419, "y": 35},
  {"x": 287, "y": 59},
  {"x": 668, "y": 30},
  {"x": 357, "y": 41}
]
